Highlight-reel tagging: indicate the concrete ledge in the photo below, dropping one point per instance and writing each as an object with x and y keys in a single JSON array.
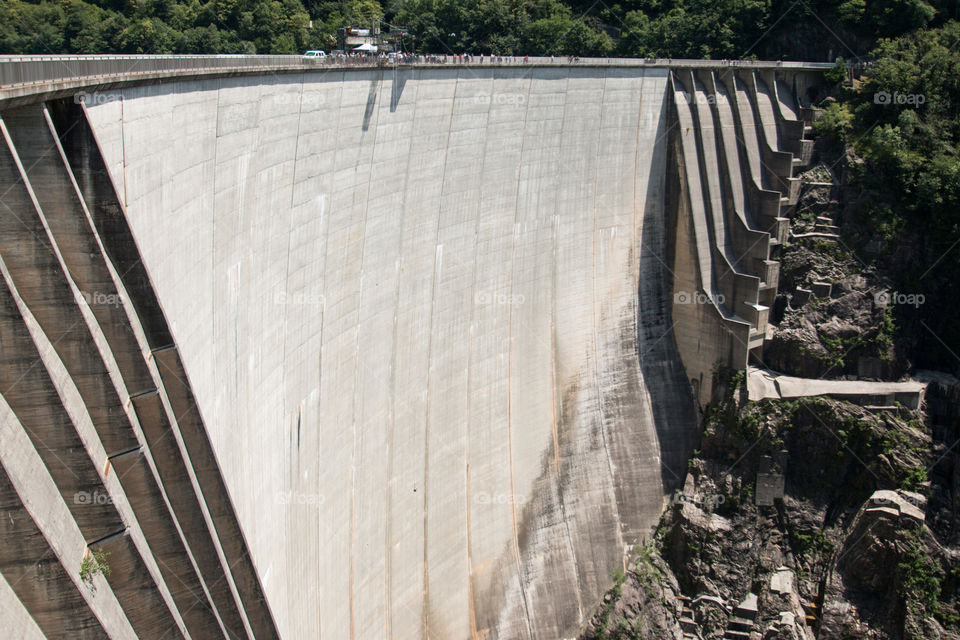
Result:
[{"x": 763, "y": 384}]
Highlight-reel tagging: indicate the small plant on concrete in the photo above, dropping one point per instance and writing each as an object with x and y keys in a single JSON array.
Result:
[{"x": 94, "y": 563}]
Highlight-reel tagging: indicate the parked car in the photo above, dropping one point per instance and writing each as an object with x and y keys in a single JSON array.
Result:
[{"x": 314, "y": 55}]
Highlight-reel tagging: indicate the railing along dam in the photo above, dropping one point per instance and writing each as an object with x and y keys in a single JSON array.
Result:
[{"x": 405, "y": 351}]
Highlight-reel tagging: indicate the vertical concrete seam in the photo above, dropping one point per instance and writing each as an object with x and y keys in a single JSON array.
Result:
[
  {"x": 290, "y": 235},
  {"x": 227, "y": 566},
  {"x": 123, "y": 146},
  {"x": 513, "y": 489},
  {"x": 378, "y": 78},
  {"x": 597, "y": 317},
  {"x": 476, "y": 245},
  {"x": 388, "y": 529},
  {"x": 557, "y": 403},
  {"x": 323, "y": 314},
  {"x": 437, "y": 268}
]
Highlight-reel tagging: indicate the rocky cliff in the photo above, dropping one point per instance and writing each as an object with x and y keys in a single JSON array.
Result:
[{"x": 811, "y": 517}]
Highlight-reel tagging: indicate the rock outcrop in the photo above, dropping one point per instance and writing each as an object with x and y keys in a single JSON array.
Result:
[{"x": 799, "y": 519}]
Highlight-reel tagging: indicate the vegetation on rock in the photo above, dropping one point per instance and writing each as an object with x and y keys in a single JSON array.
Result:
[{"x": 898, "y": 130}]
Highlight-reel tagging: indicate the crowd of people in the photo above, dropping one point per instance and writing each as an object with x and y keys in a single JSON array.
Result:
[
  {"x": 389, "y": 59},
  {"x": 384, "y": 59}
]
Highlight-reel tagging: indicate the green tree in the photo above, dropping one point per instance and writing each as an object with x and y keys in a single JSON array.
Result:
[
  {"x": 84, "y": 28},
  {"x": 148, "y": 35},
  {"x": 32, "y": 28},
  {"x": 906, "y": 126}
]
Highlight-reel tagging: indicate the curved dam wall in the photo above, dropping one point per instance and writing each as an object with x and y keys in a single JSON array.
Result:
[{"x": 425, "y": 315}]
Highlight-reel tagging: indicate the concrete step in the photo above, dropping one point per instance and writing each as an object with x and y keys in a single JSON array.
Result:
[
  {"x": 740, "y": 624},
  {"x": 815, "y": 234},
  {"x": 746, "y": 610}
]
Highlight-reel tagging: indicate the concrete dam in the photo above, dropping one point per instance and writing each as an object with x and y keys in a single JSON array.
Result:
[{"x": 389, "y": 352}]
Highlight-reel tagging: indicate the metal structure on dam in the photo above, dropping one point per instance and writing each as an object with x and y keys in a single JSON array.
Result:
[{"x": 367, "y": 352}]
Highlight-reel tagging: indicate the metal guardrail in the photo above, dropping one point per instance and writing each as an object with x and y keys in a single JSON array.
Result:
[{"x": 24, "y": 71}]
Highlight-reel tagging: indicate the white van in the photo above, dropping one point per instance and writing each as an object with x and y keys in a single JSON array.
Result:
[{"x": 314, "y": 55}]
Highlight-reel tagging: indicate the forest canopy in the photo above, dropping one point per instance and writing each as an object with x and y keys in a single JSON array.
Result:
[{"x": 772, "y": 29}]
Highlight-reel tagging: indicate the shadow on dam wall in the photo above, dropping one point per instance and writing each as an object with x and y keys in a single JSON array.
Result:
[
  {"x": 674, "y": 407},
  {"x": 425, "y": 317}
]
